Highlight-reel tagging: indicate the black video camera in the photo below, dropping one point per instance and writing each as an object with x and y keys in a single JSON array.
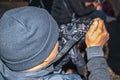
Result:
[
  {"x": 71, "y": 35},
  {"x": 75, "y": 30}
]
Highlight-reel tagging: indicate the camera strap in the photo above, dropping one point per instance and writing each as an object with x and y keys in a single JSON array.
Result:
[
  {"x": 77, "y": 38},
  {"x": 65, "y": 49},
  {"x": 77, "y": 59}
]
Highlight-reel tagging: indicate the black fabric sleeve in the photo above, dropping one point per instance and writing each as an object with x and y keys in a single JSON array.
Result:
[{"x": 79, "y": 8}]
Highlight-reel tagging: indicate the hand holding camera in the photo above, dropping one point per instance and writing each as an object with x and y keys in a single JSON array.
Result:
[{"x": 97, "y": 34}]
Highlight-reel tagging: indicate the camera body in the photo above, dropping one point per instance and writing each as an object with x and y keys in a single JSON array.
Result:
[
  {"x": 75, "y": 30},
  {"x": 71, "y": 35}
]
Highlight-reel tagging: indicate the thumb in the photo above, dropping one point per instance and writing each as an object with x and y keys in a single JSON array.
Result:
[{"x": 92, "y": 28}]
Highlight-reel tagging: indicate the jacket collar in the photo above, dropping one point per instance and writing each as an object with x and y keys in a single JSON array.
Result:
[{"x": 12, "y": 75}]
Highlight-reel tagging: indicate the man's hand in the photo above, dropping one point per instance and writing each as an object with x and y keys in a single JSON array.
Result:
[
  {"x": 88, "y": 4},
  {"x": 97, "y": 5},
  {"x": 97, "y": 35}
]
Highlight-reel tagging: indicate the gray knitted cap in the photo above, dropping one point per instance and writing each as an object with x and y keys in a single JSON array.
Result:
[{"x": 27, "y": 37}]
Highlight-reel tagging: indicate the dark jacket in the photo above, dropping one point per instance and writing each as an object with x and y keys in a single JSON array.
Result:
[
  {"x": 62, "y": 15},
  {"x": 97, "y": 67},
  {"x": 47, "y": 4},
  {"x": 114, "y": 45}
]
